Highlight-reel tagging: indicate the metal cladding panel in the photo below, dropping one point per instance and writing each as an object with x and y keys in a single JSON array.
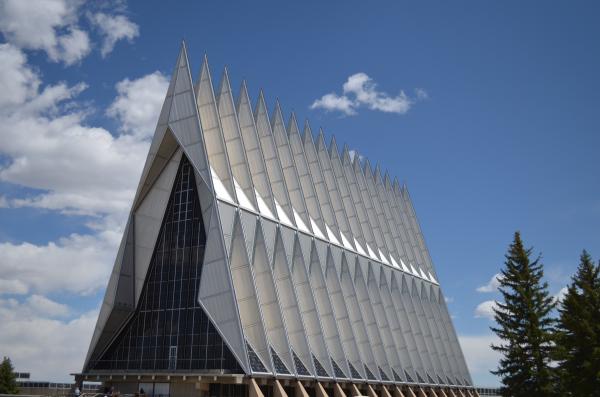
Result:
[
  {"x": 360, "y": 202},
  {"x": 345, "y": 328},
  {"x": 371, "y": 202},
  {"x": 345, "y": 195},
  {"x": 273, "y": 164},
  {"x": 249, "y": 226},
  {"x": 331, "y": 333},
  {"x": 212, "y": 131},
  {"x": 290, "y": 173},
  {"x": 306, "y": 181},
  {"x": 417, "y": 227},
  {"x": 396, "y": 324},
  {"x": 416, "y": 326},
  {"x": 412, "y": 238},
  {"x": 396, "y": 227},
  {"x": 147, "y": 221},
  {"x": 245, "y": 293},
  {"x": 120, "y": 291},
  {"x": 157, "y": 160},
  {"x": 269, "y": 228},
  {"x": 184, "y": 119},
  {"x": 444, "y": 363},
  {"x": 356, "y": 316},
  {"x": 367, "y": 308},
  {"x": 289, "y": 305},
  {"x": 346, "y": 237},
  {"x": 228, "y": 215},
  {"x": 384, "y": 212},
  {"x": 216, "y": 294},
  {"x": 269, "y": 301},
  {"x": 412, "y": 333},
  {"x": 154, "y": 159},
  {"x": 308, "y": 309},
  {"x": 238, "y": 163},
  {"x": 382, "y": 320},
  {"x": 425, "y": 328},
  {"x": 320, "y": 187},
  {"x": 256, "y": 162},
  {"x": 453, "y": 362},
  {"x": 454, "y": 340}
]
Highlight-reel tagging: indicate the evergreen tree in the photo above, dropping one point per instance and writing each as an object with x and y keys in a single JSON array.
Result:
[
  {"x": 8, "y": 379},
  {"x": 524, "y": 326},
  {"x": 578, "y": 333}
]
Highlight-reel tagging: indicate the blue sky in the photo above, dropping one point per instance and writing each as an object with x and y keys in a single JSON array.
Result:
[{"x": 487, "y": 110}]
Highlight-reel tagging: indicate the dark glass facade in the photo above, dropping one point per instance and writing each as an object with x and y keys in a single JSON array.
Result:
[
  {"x": 353, "y": 371},
  {"x": 255, "y": 362},
  {"x": 337, "y": 370},
  {"x": 319, "y": 368},
  {"x": 280, "y": 367},
  {"x": 383, "y": 375},
  {"x": 169, "y": 330},
  {"x": 370, "y": 375},
  {"x": 300, "y": 367}
]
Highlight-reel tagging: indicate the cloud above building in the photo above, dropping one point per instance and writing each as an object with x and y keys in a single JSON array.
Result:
[
  {"x": 59, "y": 29},
  {"x": 361, "y": 91}
]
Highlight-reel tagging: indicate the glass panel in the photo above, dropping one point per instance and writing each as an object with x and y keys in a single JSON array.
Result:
[
  {"x": 336, "y": 368},
  {"x": 353, "y": 371},
  {"x": 300, "y": 367},
  {"x": 255, "y": 363},
  {"x": 280, "y": 367},
  {"x": 319, "y": 368},
  {"x": 169, "y": 330}
]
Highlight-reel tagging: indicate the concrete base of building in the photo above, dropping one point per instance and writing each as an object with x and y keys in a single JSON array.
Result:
[{"x": 178, "y": 385}]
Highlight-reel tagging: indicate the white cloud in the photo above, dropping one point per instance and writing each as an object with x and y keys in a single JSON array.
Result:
[
  {"x": 360, "y": 90},
  {"x": 50, "y": 26},
  {"x": 73, "y": 46},
  {"x": 76, "y": 167},
  {"x": 17, "y": 81},
  {"x": 46, "y": 307},
  {"x": 333, "y": 102},
  {"x": 486, "y": 309},
  {"x": 13, "y": 287},
  {"x": 138, "y": 104},
  {"x": 480, "y": 357},
  {"x": 73, "y": 168},
  {"x": 27, "y": 334},
  {"x": 492, "y": 285},
  {"x": 86, "y": 259},
  {"x": 114, "y": 28},
  {"x": 560, "y": 295},
  {"x": 365, "y": 90}
]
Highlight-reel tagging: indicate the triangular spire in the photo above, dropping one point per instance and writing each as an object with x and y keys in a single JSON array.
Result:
[
  {"x": 256, "y": 162},
  {"x": 278, "y": 125},
  {"x": 242, "y": 179},
  {"x": 307, "y": 135},
  {"x": 215, "y": 144},
  {"x": 346, "y": 158},
  {"x": 178, "y": 105},
  {"x": 333, "y": 148},
  {"x": 273, "y": 163},
  {"x": 293, "y": 125}
]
